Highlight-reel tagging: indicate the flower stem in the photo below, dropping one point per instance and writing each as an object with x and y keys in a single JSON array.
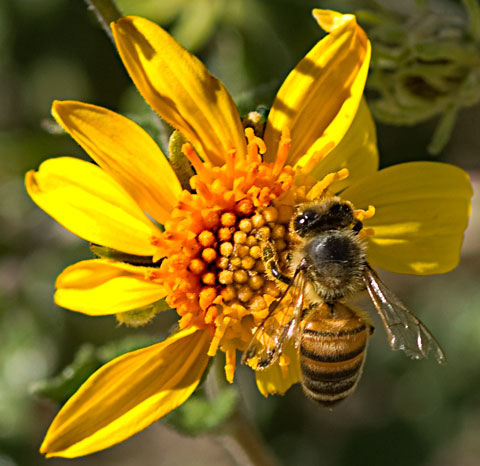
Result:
[
  {"x": 237, "y": 435},
  {"x": 106, "y": 11}
]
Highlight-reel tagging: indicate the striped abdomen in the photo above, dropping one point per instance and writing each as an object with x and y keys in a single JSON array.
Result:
[{"x": 332, "y": 352}]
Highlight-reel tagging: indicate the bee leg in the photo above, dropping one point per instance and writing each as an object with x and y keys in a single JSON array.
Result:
[
  {"x": 357, "y": 226},
  {"x": 272, "y": 267}
]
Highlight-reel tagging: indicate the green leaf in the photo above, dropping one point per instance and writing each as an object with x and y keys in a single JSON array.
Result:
[
  {"x": 200, "y": 415},
  {"x": 85, "y": 362},
  {"x": 65, "y": 384}
]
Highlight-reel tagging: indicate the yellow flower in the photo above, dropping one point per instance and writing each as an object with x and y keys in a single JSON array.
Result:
[{"x": 206, "y": 261}]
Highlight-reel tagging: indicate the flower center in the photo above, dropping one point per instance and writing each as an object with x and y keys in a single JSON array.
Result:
[{"x": 212, "y": 245}]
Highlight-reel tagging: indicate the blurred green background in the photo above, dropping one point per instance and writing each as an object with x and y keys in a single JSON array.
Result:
[{"x": 403, "y": 412}]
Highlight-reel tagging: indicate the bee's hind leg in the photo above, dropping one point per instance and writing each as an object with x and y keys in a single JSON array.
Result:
[{"x": 272, "y": 267}]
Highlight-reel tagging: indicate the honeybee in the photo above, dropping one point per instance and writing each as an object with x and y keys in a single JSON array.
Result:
[{"x": 329, "y": 265}]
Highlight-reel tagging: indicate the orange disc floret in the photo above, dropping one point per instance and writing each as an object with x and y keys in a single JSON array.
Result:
[{"x": 212, "y": 261}]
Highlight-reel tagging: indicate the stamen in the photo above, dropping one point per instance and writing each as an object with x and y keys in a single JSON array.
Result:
[
  {"x": 317, "y": 157},
  {"x": 193, "y": 158},
  {"x": 230, "y": 363},
  {"x": 219, "y": 332},
  {"x": 282, "y": 152},
  {"x": 255, "y": 145},
  {"x": 362, "y": 215},
  {"x": 320, "y": 189},
  {"x": 284, "y": 363}
]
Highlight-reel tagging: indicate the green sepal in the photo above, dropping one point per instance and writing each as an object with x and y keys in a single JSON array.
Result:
[
  {"x": 178, "y": 161},
  {"x": 85, "y": 362},
  {"x": 142, "y": 315},
  {"x": 109, "y": 253}
]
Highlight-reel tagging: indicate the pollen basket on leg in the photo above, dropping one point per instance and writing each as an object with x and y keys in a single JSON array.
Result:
[{"x": 212, "y": 244}]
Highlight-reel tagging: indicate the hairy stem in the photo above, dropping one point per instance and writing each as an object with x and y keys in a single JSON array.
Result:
[
  {"x": 237, "y": 435},
  {"x": 106, "y": 11}
]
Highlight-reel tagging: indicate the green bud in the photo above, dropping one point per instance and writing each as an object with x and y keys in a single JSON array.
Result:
[
  {"x": 425, "y": 63},
  {"x": 256, "y": 120}
]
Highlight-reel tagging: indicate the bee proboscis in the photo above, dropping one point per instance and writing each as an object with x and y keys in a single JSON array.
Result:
[{"x": 329, "y": 266}]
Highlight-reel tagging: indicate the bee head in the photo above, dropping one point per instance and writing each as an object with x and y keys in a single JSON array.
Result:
[{"x": 333, "y": 214}]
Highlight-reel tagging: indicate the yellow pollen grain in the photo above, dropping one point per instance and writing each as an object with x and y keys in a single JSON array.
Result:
[
  {"x": 256, "y": 282},
  {"x": 197, "y": 266},
  {"x": 245, "y": 225},
  {"x": 271, "y": 289},
  {"x": 206, "y": 238},
  {"x": 240, "y": 237},
  {"x": 209, "y": 255},
  {"x": 257, "y": 303},
  {"x": 228, "y": 293},
  {"x": 278, "y": 231},
  {"x": 248, "y": 262},
  {"x": 228, "y": 219},
  {"x": 222, "y": 262},
  {"x": 235, "y": 262},
  {"x": 240, "y": 276},
  {"x": 270, "y": 214},
  {"x": 255, "y": 252},
  {"x": 244, "y": 293},
  {"x": 209, "y": 278},
  {"x": 263, "y": 233},
  {"x": 280, "y": 244},
  {"x": 241, "y": 250},
  {"x": 259, "y": 267},
  {"x": 225, "y": 233},
  {"x": 225, "y": 277},
  {"x": 226, "y": 249},
  {"x": 258, "y": 221},
  {"x": 251, "y": 240}
]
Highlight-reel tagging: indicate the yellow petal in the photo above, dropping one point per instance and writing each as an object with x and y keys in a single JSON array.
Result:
[
  {"x": 357, "y": 151},
  {"x": 276, "y": 379},
  {"x": 128, "y": 394},
  {"x": 102, "y": 287},
  {"x": 126, "y": 152},
  {"x": 422, "y": 210},
  {"x": 319, "y": 99},
  {"x": 85, "y": 200},
  {"x": 179, "y": 88}
]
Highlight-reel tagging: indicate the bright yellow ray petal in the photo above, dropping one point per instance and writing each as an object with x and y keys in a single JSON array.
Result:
[
  {"x": 126, "y": 152},
  {"x": 128, "y": 394},
  {"x": 422, "y": 210},
  {"x": 101, "y": 287},
  {"x": 320, "y": 97},
  {"x": 276, "y": 379},
  {"x": 357, "y": 152},
  {"x": 179, "y": 88},
  {"x": 88, "y": 202}
]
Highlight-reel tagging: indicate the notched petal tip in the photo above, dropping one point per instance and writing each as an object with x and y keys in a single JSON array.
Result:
[
  {"x": 179, "y": 88},
  {"x": 330, "y": 20}
]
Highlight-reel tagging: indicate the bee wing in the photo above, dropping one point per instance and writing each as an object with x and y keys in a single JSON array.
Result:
[
  {"x": 280, "y": 325},
  {"x": 405, "y": 331}
]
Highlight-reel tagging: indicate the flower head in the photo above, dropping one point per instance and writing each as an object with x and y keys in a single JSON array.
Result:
[{"x": 206, "y": 259}]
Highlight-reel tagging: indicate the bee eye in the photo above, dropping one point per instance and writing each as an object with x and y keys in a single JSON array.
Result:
[{"x": 304, "y": 222}]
